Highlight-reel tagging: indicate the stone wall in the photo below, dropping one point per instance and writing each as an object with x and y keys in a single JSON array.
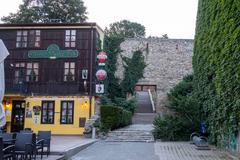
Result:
[{"x": 168, "y": 61}]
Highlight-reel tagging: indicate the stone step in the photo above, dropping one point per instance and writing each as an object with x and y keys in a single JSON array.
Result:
[
  {"x": 143, "y": 118},
  {"x": 132, "y": 133}
]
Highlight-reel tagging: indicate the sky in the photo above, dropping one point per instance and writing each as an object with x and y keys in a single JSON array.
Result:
[{"x": 177, "y": 18}]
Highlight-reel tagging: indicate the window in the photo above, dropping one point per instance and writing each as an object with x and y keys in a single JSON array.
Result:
[
  {"x": 28, "y": 38},
  {"x": 32, "y": 72},
  {"x": 67, "y": 108},
  {"x": 70, "y": 38},
  {"x": 22, "y": 37},
  {"x": 47, "y": 112},
  {"x": 34, "y": 38},
  {"x": 19, "y": 74},
  {"x": 69, "y": 71}
]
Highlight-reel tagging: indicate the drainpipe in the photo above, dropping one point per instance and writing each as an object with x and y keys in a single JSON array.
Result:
[{"x": 91, "y": 72}]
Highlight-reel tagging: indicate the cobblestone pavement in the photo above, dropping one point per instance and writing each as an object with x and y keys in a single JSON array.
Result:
[
  {"x": 146, "y": 151},
  {"x": 185, "y": 151}
]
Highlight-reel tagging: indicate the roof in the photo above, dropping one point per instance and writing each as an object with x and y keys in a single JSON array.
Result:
[{"x": 51, "y": 25}]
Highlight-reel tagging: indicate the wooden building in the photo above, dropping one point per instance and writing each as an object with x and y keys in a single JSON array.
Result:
[{"x": 50, "y": 75}]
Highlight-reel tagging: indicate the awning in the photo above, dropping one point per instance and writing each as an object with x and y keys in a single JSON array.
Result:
[{"x": 3, "y": 54}]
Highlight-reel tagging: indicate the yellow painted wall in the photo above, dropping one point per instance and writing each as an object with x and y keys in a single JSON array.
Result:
[{"x": 81, "y": 109}]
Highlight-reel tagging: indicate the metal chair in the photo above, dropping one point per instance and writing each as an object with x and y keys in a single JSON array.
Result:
[
  {"x": 46, "y": 136},
  {"x": 24, "y": 145},
  {"x": 7, "y": 153}
]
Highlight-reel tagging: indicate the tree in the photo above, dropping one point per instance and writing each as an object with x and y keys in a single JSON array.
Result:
[
  {"x": 134, "y": 69},
  {"x": 126, "y": 29},
  {"x": 114, "y": 36},
  {"x": 36, "y": 11},
  {"x": 165, "y": 36}
]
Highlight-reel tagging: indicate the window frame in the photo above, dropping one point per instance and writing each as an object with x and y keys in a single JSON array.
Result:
[
  {"x": 20, "y": 39},
  {"x": 32, "y": 68},
  {"x": 28, "y": 38},
  {"x": 19, "y": 67},
  {"x": 48, "y": 102},
  {"x": 68, "y": 69},
  {"x": 70, "y": 38},
  {"x": 34, "y": 38},
  {"x": 67, "y": 109}
]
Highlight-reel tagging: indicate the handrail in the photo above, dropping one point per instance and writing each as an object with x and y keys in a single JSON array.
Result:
[{"x": 151, "y": 99}]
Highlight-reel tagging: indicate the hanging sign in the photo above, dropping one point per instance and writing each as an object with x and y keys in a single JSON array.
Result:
[
  {"x": 99, "y": 88},
  {"x": 101, "y": 74},
  {"x": 102, "y": 57}
]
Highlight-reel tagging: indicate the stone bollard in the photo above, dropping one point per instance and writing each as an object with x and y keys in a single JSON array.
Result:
[{"x": 93, "y": 132}]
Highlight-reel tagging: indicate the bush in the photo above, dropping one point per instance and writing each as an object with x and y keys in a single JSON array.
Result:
[
  {"x": 184, "y": 117},
  {"x": 113, "y": 117},
  {"x": 129, "y": 104},
  {"x": 172, "y": 128}
]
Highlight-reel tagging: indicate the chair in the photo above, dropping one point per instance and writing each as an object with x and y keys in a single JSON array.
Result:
[
  {"x": 46, "y": 136},
  {"x": 24, "y": 145},
  {"x": 8, "y": 138},
  {"x": 7, "y": 153},
  {"x": 26, "y": 131},
  {"x": 38, "y": 145}
]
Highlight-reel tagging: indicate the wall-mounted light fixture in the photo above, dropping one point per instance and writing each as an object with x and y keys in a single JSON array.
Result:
[{"x": 84, "y": 74}]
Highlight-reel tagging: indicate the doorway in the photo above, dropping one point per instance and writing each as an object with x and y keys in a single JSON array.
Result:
[{"x": 18, "y": 116}]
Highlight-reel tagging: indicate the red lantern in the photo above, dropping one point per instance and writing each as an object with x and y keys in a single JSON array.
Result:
[
  {"x": 102, "y": 56},
  {"x": 101, "y": 74}
]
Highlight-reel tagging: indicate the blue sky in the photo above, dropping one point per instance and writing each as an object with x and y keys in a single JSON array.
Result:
[{"x": 176, "y": 18}]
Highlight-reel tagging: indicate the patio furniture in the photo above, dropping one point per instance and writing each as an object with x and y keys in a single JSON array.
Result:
[
  {"x": 38, "y": 146},
  {"x": 24, "y": 145},
  {"x": 7, "y": 153},
  {"x": 46, "y": 136},
  {"x": 26, "y": 131},
  {"x": 8, "y": 138}
]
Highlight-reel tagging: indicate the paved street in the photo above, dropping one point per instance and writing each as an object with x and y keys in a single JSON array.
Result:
[
  {"x": 146, "y": 151},
  {"x": 118, "y": 151}
]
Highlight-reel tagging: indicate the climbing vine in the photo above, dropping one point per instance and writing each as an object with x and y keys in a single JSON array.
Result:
[
  {"x": 133, "y": 71},
  {"x": 217, "y": 68}
]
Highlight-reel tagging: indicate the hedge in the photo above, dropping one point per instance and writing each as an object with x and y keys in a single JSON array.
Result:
[
  {"x": 217, "y": 68},
  {"x": 113, "y": 117}
]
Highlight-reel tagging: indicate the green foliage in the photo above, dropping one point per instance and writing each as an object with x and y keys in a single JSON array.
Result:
[
  {"x": 216, "y": 67},
  {"x": 113, "y": 117},
  {"x": 184, "y": 117},
  {"x": 65, "y": 10},
  {"x": 134, "y": 69},
  {"x": 129, "y": 104},
  {"x": 126, "y": 29},
  {"x": 114, "y": 36},
  {"x": 172, "y": 128},
  {"x": 112, "y": 46}
]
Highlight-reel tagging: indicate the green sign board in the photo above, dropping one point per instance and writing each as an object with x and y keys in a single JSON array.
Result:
[{"x": 53, "y": 52}]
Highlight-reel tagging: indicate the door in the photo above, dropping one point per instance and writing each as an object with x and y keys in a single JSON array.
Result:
[{"x": 18, "y": 115}]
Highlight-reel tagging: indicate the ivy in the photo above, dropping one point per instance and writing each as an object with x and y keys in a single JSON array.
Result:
[
  {"x": 217, "y": 68},
  {"x": 133, "y": 71}
]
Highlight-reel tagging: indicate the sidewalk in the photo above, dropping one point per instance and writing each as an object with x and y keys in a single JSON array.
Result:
[
  {"x": 186, "y": 151},
  {"x": 63, "y": 147}
]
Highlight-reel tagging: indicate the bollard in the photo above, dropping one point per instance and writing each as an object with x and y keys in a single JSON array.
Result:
[{"x": 93, "y": 133}]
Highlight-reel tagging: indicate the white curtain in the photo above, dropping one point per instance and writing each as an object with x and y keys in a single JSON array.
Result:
[{"x": 3, "y": 54}]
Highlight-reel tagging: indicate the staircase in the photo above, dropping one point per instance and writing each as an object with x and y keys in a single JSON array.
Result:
[
  {"x": 143, "y": 103},
  {"x": 144, "y": 113},
  {"x": 132, "y": 133},
  {"x": 143, "y": 118}
]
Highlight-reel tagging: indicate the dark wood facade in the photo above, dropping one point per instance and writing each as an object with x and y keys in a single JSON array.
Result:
[{"x": 50, "y": 73}]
